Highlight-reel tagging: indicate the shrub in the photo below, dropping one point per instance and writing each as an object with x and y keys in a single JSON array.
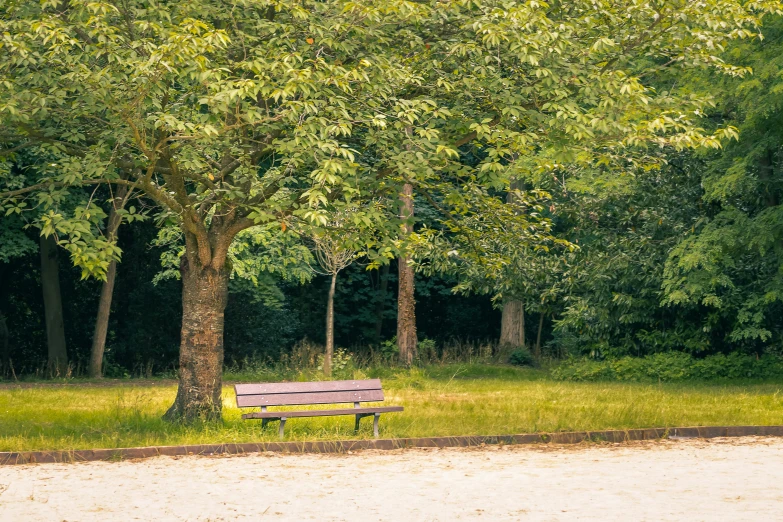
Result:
[
  {"x": 521, "y": 356},
  {"x": 427, "y": 350},
  {"x": 671, "y": 366},
  {"x": 343, "y": 365},
  {"x": 389, "y": 349}
]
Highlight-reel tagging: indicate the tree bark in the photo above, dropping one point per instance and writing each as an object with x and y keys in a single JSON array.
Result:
[
  {"x": 107, "y": 291},
  {"x": 406, "y": 302},
  {"x": 102, "y": 323},
  {"x": 381, "y": 302},
  {"x": 57, "y": 364},
  {"x": 537, "y": 351},
  {"x": 204, "y": 299},
  {"x": 330, "y": 328},
  {"x": 512, "y": 324},
  {"x": 5, "y": 354}
]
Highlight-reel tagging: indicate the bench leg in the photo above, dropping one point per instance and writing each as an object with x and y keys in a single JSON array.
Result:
[
  {"x": 282, "y": 426},
  {"x": 264, "y": 422},
  {"x": 356, "y": 426},
  {"x": 375, "y": 424}
]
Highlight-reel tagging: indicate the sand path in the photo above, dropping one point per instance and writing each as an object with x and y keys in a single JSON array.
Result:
[{"x": 722, "y": 479}]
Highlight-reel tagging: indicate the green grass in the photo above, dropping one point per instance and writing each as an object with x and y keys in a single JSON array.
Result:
[{"x": 438, "y": 400}]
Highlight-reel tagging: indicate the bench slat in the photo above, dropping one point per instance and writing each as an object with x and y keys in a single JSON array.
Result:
[
  {"x": 319, "y": 413},
  {"x": 285, "y": 399},
  {"x": 306, "y": 387}
]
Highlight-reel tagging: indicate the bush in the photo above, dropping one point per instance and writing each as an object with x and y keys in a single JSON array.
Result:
[
  {"x": 521, "y": 356},
  {"x": 343, "y": 365},
  {"x": 427, "y": 350},
  {"x": 671, "y": 366}
]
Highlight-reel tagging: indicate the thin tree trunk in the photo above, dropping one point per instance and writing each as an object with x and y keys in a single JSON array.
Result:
[
  {"x": 57, "y": 364},
  {"x": 330, "y": 328},
  {"x": 204, "y": 299},
  {"x": 102, "y": 323},
  {"x": 5, "y": 354},
  {"x": 406, "y": 302},
  {"x": 512, "y": 324},
  {"x": 537, "y": 351},
  {"x": 107, "y": 291},
  {"x": 381, "y": 302}
]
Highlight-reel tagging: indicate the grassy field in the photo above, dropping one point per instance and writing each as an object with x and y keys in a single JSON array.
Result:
[{"x": 438, "y": 400}]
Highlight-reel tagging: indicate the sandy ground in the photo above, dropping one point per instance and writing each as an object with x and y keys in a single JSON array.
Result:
[{"x": 722, "y": 479}]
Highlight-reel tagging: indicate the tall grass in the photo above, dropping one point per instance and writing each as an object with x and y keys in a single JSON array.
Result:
[{"x": 441, "y": 400}]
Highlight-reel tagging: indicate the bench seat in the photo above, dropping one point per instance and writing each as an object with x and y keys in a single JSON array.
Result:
[{"x": 319, "y": 413}]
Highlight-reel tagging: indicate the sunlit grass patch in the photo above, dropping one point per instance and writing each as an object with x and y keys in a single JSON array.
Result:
[{"x": 439, "y": 401}]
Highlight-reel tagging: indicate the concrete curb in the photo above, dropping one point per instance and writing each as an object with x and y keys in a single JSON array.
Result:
[{"x": 343, "y": 446}]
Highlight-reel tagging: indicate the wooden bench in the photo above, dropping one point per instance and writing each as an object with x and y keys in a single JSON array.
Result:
[{"x": 310, "y": 393}]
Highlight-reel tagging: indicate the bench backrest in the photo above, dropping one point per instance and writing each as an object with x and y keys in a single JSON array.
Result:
[{"x": 297, "y": 393}]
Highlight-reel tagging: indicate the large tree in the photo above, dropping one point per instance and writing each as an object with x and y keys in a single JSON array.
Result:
[{"x": 225, "y": 116}]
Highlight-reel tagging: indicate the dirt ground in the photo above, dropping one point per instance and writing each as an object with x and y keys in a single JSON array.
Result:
[{"x": 721, "y": 479}]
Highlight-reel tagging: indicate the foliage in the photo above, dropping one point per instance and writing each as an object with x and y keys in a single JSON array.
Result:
[
  {"x": 608, "y": 292},
  {"x": 521, "y": 356},
  {"x": 13, "y": 241},
  {"x": 426, "y": 349},
  {"x": 343, "y": 365},
  {"x": 246, "y": 117},
  {"x": 671, "y": 366},
  {"x": 732, "y": 262},
  {"x": 389, "y": 349}
]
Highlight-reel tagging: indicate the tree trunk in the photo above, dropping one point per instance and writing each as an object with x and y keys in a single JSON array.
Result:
[
  {"x": 406, "y": 302},
  {"x": 512, "y": 324},
  {"x": 204, "y": 299},
  {"x": 107, "y": 291},
  {"x": 57, "y": 364},
  {"x": 330, "y": 329},
  {"x": 102, "y": 323},
  {"x": 5, "y": 354},
  {"x": 537, "y": 351},
  {"x": 381, "y": 302}
]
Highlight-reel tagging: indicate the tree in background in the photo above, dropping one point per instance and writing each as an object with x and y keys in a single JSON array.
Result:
[
  {"x": 729, "y": 265},
  {"x": 116, "y": 209},
  {"x": 334, "y": 254},
  {"x": 545, "y": 116},
  {"x": 53, "y": 308},
  {"x": 493, "y": 244},
  {"x": 607, "y": 294},
  {"x": 407, "y": 339},
  {"x": 512, "y": 320}
]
